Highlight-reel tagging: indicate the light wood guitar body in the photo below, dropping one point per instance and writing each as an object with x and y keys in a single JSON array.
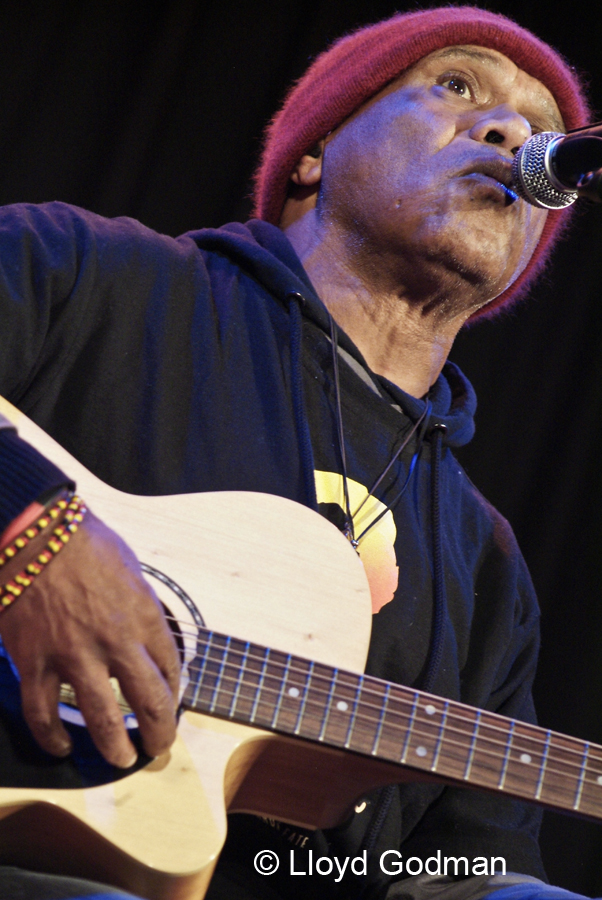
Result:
[
  {"x": 261, "y": 568},
  {"x": 266, "y": 731}
]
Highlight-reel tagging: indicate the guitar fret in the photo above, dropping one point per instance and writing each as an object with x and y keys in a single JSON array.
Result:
[
  {"x": 341, "y": 706},
  {"x": 381, "y": 719},
  {"x": 304, "y": 699},
  {"x": 564, "y": 772},
  {"x": 544, "y": 761},
  {"x": 473, "y": 744},
  {"x": 410, "y": 727},
  {"x": 353, "y": 712},
  {"x": 506, "y": 755},
  {"x": 271, "y": 688},
  {"x": 291, "y": 689},
  {"x": 525, "y": 761},
  {"x": 217, "y": 685},
  {"x": 201, "y": 671},
  {"x": 590, "y": 802},
  {"x": 239, "y": 680},
  {"x": 281, "y": 692},
  {"x": 327, "y": 705},
  {"x": 259, "y": 686},
  {"x": 440, "y": 737},
  {"x": 581, "y": 780}
]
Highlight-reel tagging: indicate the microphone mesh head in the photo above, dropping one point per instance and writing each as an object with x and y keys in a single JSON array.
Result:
[{"x": 530, "y": 176}]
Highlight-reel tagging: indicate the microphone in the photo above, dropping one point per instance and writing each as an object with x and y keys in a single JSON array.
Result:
[{"x": 551, "y": 170}]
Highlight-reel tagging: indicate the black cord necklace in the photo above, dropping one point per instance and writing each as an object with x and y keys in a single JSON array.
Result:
[{"x": 420, "y": 425}]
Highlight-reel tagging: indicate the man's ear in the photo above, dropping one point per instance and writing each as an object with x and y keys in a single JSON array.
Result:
[{"x": 308, "y": 170}]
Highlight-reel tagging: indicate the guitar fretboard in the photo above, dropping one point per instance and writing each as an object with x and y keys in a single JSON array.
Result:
[{"x": 254, "y": 685}]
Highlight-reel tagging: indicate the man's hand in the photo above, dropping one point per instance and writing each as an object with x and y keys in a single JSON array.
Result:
[{"x": 88, "y": 616}]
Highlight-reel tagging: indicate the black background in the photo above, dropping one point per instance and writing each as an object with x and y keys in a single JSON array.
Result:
[{"x": 156, "y": 109}]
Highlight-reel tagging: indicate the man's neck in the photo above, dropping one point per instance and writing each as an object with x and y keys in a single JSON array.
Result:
[{"x": 406, "y": 342}]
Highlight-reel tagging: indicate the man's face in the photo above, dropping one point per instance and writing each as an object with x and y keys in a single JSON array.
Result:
[{"x": 418, "y": 174}]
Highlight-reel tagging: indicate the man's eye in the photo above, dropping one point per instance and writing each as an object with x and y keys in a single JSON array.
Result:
[{"x": 458, "y": 86}]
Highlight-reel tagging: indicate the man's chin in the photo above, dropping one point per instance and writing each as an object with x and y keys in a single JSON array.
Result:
[{"x": 461, "y": 285}]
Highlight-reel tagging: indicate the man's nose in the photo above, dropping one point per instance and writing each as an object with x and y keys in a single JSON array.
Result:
[{"x": 501, "y": 125}]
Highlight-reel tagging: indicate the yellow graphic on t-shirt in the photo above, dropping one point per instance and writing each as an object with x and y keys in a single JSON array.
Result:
[{"x": 376, "y": 547}]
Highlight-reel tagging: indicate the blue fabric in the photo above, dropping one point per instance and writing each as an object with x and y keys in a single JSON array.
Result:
[
  {"x": 24, "y": 476},
  {"x": 529, "y": 890},
  {"x": 17, "y": 884}
]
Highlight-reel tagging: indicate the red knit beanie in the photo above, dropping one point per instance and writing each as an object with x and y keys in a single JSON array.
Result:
[{"x": 356, "y": 67}]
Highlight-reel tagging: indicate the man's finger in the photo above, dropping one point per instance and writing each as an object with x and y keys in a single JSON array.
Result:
[
  {"x": 163, "y": 651},
  {"x": 39, "y": 699},
  {"x": 103, "y": 717},
  {"x": 151, "y": 699}
]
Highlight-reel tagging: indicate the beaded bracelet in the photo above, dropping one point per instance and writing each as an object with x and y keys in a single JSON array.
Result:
[
  {"x": 74, "y": 516},
  {"x": 49, "y": 515}
]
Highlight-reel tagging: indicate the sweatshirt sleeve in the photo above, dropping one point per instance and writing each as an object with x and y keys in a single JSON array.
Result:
[
  {"x": 49, "y": 269},
  {"x": 24, "y": 475},
  {"x": 78, "y": 294},
  {"x": 40, "y": 264}
]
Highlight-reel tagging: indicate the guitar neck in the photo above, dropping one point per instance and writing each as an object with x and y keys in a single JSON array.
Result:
[{"x": 275, "y": 691}]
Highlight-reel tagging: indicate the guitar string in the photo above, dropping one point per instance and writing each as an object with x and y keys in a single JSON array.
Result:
[
  {"x": 495, "y": 755},
  {"x": 366, "y": 690},
  {"x": 359, "y": 718},
  {"x": 558, "y": 789},
  {"x": 428, "y": 736},
  {"x": 416, "y": 719},
  {"x": 408, "y": 702}
]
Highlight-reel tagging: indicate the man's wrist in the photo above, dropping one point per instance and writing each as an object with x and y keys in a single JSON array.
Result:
[
  {"x": 29, "y": 515},
  {"x": 57, "y": 524}
]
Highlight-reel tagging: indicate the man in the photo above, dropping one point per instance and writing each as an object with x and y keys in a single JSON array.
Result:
[{"x": 307, "y": 361}]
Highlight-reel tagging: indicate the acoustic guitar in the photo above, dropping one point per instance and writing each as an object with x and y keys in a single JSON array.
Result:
[{"x": 271, "y": 609}]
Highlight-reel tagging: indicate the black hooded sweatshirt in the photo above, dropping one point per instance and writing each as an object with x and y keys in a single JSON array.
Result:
[{"x": 205, "y": 363}]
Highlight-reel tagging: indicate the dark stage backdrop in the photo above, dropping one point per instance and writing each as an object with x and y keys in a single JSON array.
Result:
[{"x": 155, "y": 110}]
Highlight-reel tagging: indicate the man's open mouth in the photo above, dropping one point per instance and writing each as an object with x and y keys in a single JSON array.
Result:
[{"x": 498, "y": 171}]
